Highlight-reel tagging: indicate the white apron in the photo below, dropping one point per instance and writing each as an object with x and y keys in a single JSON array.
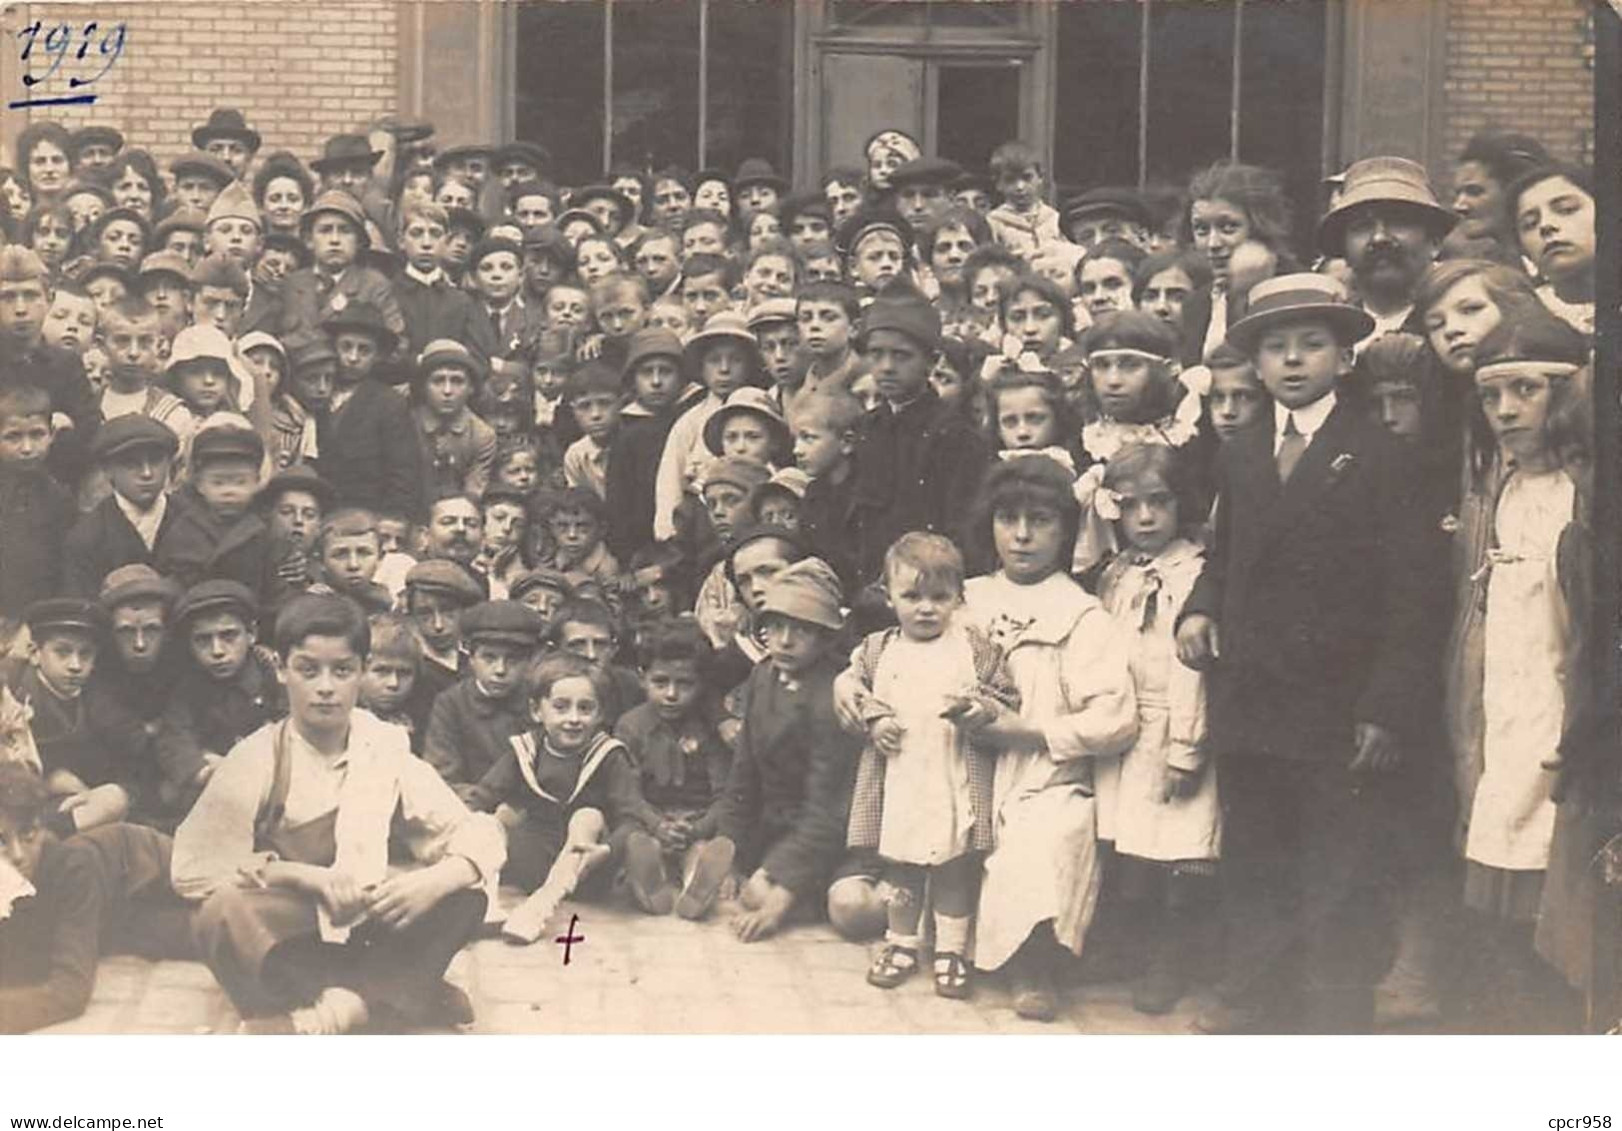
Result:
[{"x": 1512, "y": 816}]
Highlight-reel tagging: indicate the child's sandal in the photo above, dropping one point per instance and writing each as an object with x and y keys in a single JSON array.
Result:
[
  {"x": 894, "y": 965},
  {"x": 951, "y": 976}
]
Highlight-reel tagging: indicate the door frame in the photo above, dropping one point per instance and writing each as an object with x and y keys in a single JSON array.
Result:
[{"x": 1030, "y": 42}]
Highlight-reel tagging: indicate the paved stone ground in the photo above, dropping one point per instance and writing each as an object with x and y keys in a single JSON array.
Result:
[{"x": 636, "y": 974}]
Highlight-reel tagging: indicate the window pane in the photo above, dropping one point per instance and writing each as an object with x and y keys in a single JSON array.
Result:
[
  {"x": 562, "y": 106},
  {"x": 656, "y": 84},
  {"x": 1281, "y": 103},
  {"x": 1095, "y": 134},
  {"x": 977, "y": 110},
  {"x": 1190, "y": 86},
  {"x": 751, "y": 83}
]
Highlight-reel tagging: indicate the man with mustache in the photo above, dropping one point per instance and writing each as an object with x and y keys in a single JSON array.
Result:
[
  {"x": 1387, "y": 225},
  {"x": 455, "y": 532}
]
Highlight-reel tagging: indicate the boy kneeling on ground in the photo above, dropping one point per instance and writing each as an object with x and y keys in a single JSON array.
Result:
[{"x": 287, "y": 852}]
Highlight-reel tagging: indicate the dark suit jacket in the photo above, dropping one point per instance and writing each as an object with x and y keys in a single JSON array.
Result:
[
  {"x": 100, "y": 542},
  {"x": 443, "y": 311},
  {"x": 1319, "y": 589},
  {"x": 370, "y": 454},
  {"x": 917, "y": 469},
  {"x": 195, "y": 546}
]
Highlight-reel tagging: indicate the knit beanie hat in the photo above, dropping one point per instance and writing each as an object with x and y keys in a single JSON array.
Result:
[{"x": 904, "y": 309}]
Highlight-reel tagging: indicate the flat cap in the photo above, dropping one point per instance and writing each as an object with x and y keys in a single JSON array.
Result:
[
  {"x": 217, "y": 595},
  {"x": 510, "y": 622},
  {"x": 64, "y": 612},
  {"x": 132, "y": 431},
  {"x": 136, "y": 582},
  {"x": 227, "y": 441},
  {"x": 441, "y": 575}
]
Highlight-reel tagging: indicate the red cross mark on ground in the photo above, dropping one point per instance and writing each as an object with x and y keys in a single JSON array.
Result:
[{"x": 568, "y": 938}]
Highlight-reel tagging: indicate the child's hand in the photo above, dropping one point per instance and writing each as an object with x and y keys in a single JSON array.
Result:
[
  {"x": 969, "y": 713},
  {"x": 1177, "y": 783},
  {"x": 1377, "y": 750},
  {"x": 1250, "y": 263},
  {"x": 1198, "y": 643},
  {"x": 509, "y": 817},
  {"x": 344, "y": 899},
  {"x": 887, "y": 735},
  {"x": 58, "y": 782},
  {"x": 211, "y": 762},
  {"x": 591, "y": 349},
  {"x": 673, "y": 833},
  {"x": 728, "y": 891}
]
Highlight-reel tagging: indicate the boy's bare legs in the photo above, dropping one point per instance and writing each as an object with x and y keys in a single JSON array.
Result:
[
  {"x": 856, "y": 909},
  {"x": 583, "y": 851},
  {"x": 705, "y": 868},
  {"x": 766, "y": 905}
]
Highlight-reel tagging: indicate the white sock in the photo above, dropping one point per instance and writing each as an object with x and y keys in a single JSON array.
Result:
[
  {"x": 896, "y": 938},
  {"x": 951, "y": 933},
  {"x": 337, "y": 1010}
]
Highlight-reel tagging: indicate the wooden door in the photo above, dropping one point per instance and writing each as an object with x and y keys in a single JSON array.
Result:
[{"x": 862, "y": 94}]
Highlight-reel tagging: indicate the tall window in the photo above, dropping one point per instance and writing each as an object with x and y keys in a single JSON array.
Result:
[
  {"x": 1155, "y": 90},
  {"x": 685, "y": 82}
]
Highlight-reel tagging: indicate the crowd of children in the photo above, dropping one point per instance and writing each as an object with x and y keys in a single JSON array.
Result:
[{"x": 1011, "y": 581}]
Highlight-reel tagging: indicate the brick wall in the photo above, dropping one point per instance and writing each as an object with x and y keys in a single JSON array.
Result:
[
  {"x": 1526, "y": 65},
  {"x": 298, "y": 71}
]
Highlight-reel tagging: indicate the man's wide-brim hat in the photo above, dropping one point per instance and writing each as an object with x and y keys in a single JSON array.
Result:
[
  {"x": 345, "y": 149},
  {"x": 226, "y": 123},
  {"x": 757, "y": 171},
  {"x": 1392, "y": 181},
  {"x": 363, "y": 318},
  {"x": 1289, "y": 298}
]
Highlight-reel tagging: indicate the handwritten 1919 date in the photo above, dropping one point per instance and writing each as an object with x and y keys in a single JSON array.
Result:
[{"x": 67, "y": 50}]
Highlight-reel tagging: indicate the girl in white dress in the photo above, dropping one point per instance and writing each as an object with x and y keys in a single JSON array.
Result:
[
  {"x": 923, "y": 791},
  {"x": 1519, "y": 690},
  {"x": 1158, "y": 802}
]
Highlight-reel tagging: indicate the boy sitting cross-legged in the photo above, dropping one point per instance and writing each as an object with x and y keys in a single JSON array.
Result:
[
  {"x": 682, "y": 765},
  {"x": 286, "y": 854}
]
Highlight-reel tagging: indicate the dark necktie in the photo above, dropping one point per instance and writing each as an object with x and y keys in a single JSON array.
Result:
[{"x": 1289, "y": 451}]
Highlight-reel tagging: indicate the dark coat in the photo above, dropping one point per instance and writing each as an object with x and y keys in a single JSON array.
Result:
[
  {"x": 195, "y": 546},
  {"x": 102, "y": 541},
  {"x": 918, "y": 469},
  {"x": 633, "y": 466},
  {"x": 443, "y": 311},
  {"x": 788, "y": 798},
  {"x": 370, "y": 455},
  {"x": 468, "y": 732},
  {"x": 206, "y": 714},
  {"x": 307, "y": 300},
  {"x": 35, "y": 513},
  {"x": 263, "y": 312},
  {"x": 682, "y": 766},
  {"x": 1320, "y": 591}
]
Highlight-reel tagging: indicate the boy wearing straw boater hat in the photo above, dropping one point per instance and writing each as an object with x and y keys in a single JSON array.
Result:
[
  {"x": 1387, "y": 225},
  {"x": 1310, "y": 613}
]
